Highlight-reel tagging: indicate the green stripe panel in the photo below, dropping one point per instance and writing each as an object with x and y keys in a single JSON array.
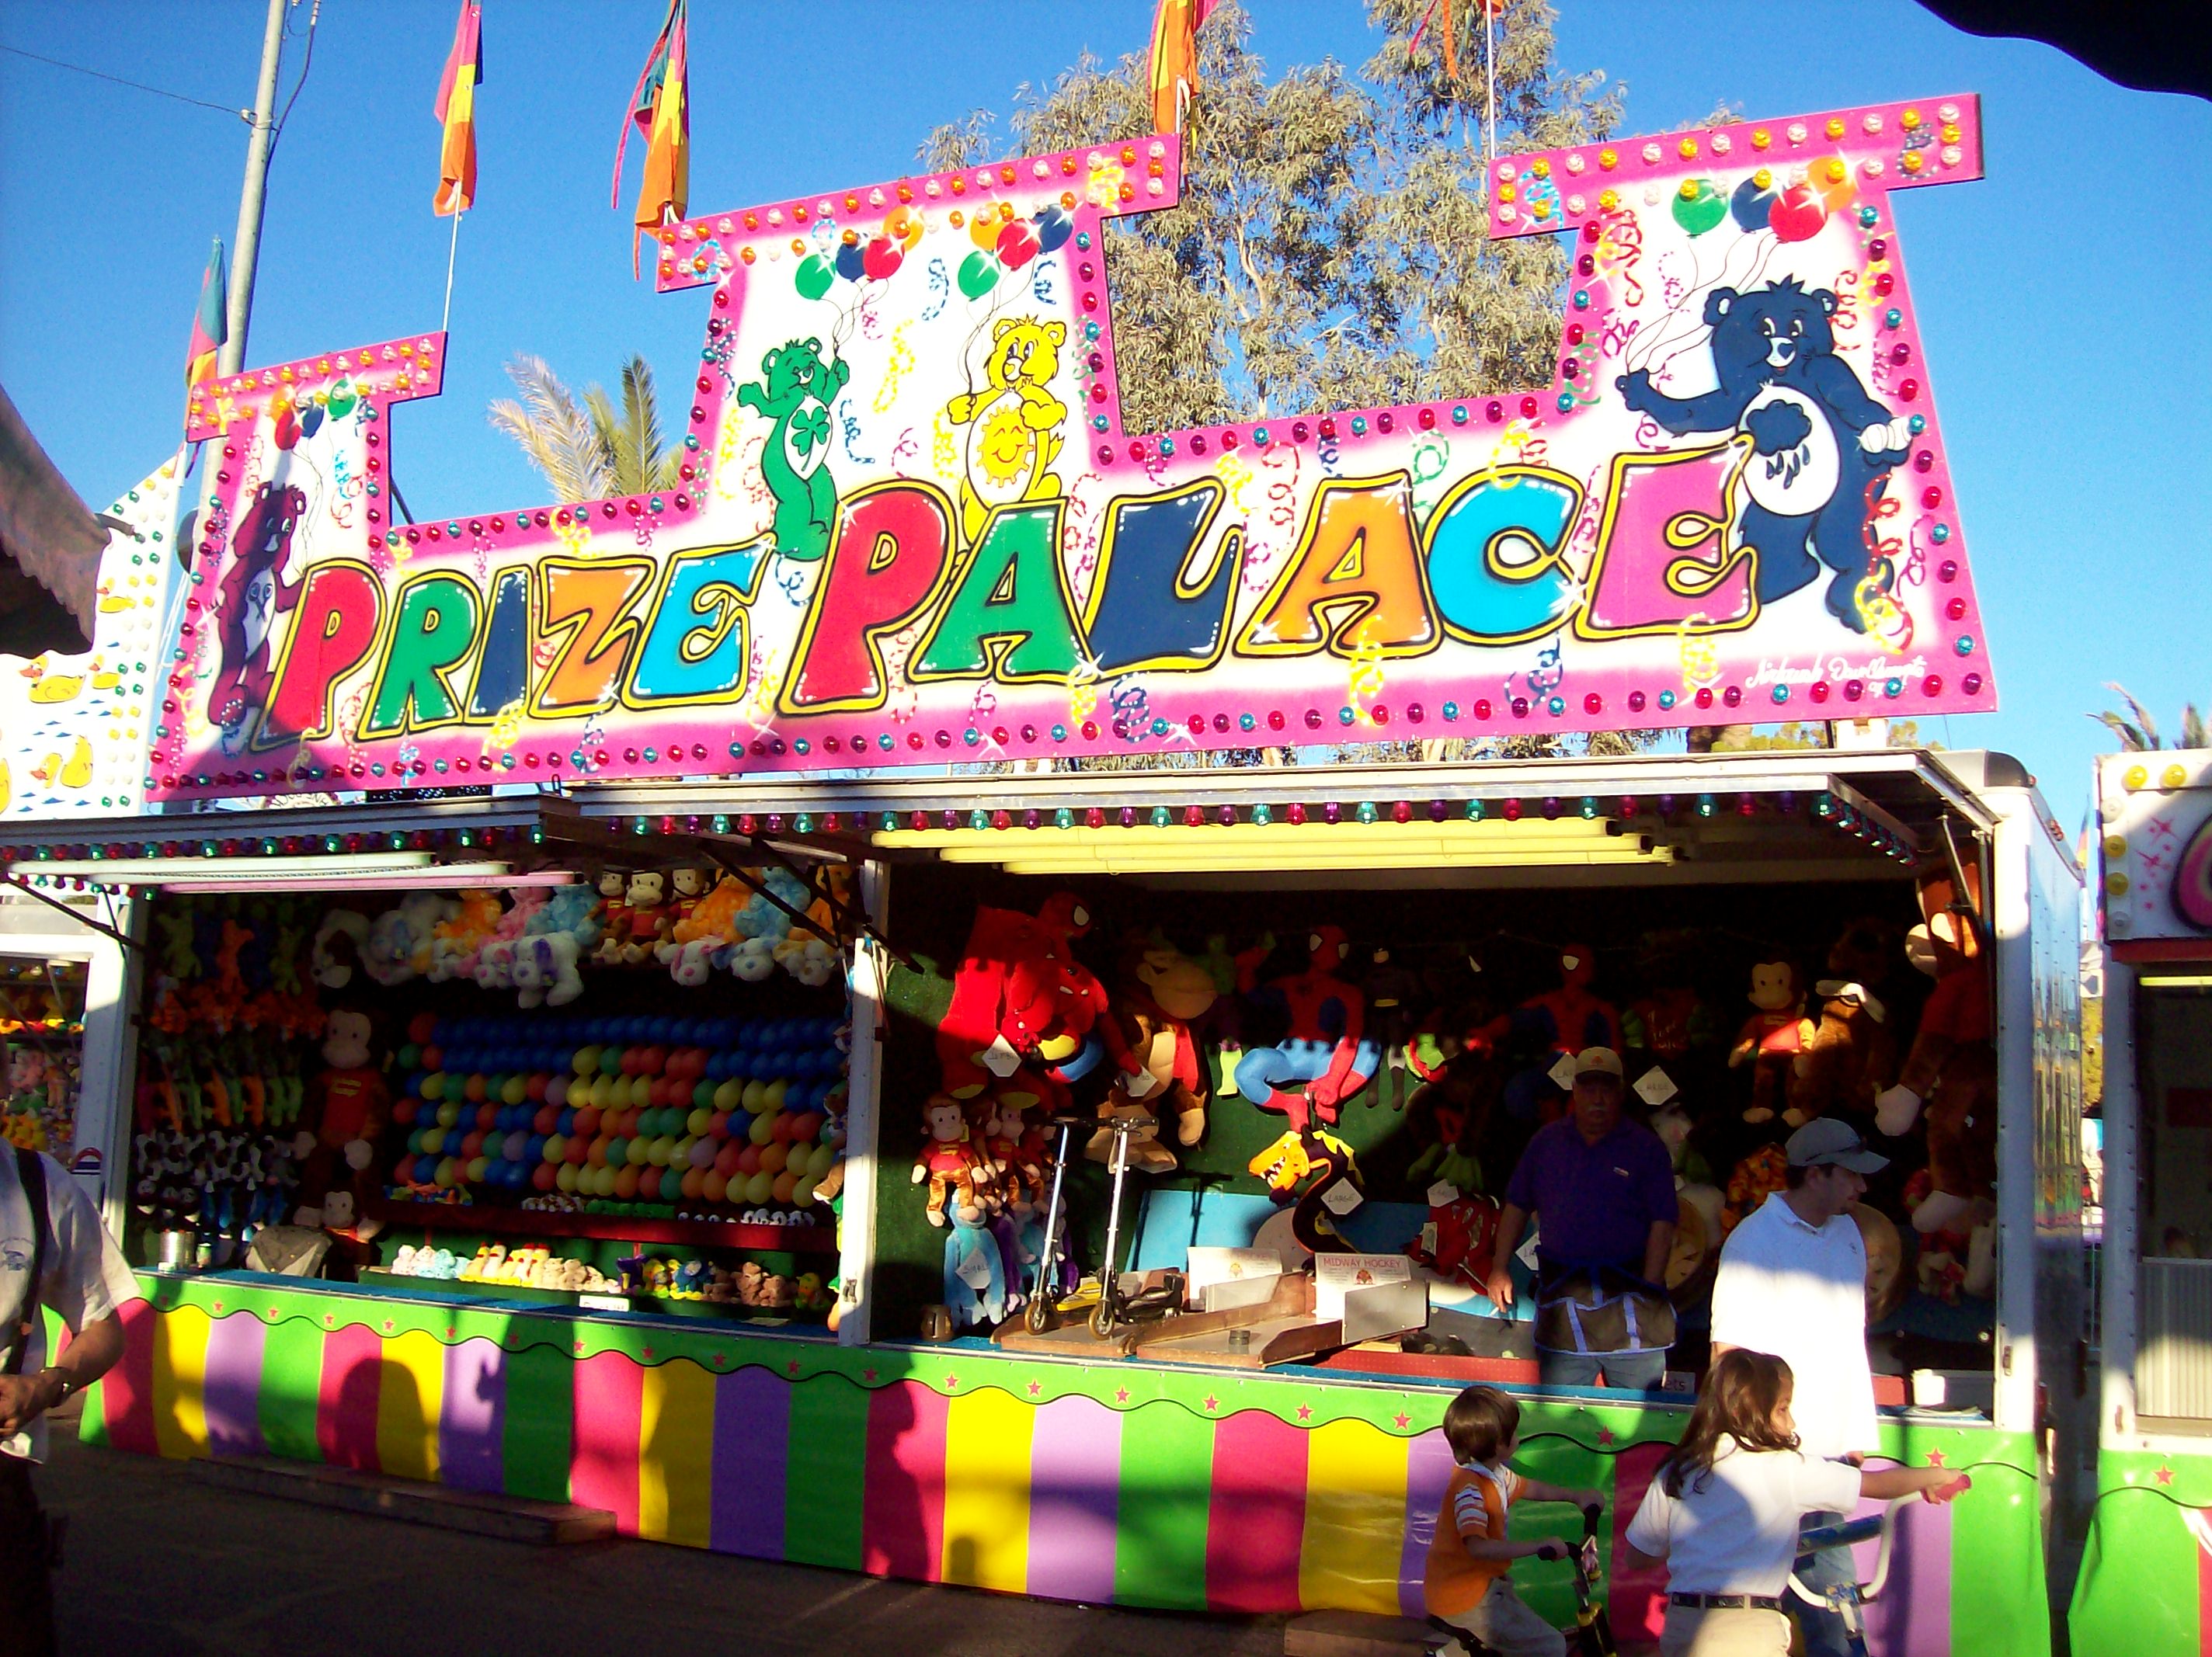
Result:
[
  {"x": 825, "y": 1468},
  {"x": 1166, "y": 1501},
  {"x": 291, "y": 1385},
  {"x": 536, "y": 1442},
  {"x": 2137, "y": 1591},
  {"x": 1997, "y": 1587}
]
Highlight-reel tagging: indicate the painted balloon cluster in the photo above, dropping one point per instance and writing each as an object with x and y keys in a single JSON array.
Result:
[
  {"x": 1004, "y": 241},
  {"x": 1794, "y": 211}
]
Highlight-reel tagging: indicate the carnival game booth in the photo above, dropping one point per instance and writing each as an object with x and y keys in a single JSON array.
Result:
[
  {"x": 2149, "y": 1552},
  {"x": 1295, "y": 1470},
  {"x": 911, "y": 531}
]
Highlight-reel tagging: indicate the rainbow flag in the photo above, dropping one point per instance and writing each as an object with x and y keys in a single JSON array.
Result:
[
  {"x": 211, "y": 323},
  {"x": 456, "y": 109},
  {"x": 661, "y": 109},
  {"x": 1175, "y": 60}
]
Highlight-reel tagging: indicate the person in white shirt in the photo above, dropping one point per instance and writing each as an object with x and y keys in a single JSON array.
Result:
[
  {"x": 1792, "y": 1283},
  {"x": 54, "y": 1253},
  {"x": 1723, "y": 1511}
]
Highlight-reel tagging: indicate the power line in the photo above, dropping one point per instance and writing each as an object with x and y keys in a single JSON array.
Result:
[{"x": 246, "y": 115}]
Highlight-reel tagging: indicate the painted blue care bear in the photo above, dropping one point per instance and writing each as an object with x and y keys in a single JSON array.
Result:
[{"x": 1821, "y": 448}]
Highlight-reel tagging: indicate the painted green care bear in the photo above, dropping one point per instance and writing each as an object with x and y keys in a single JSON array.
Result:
[{"x": 796, "y": 388}]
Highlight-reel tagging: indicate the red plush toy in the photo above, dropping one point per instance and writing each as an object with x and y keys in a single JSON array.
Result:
[
  {"x": 1019, "y": 992},
  {"x": 1952, "y": 1069},
  {"x": 1772, "y": 1037}
]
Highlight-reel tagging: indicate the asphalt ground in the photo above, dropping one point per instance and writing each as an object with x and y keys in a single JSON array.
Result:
[{"x": 161, "y": 1564}]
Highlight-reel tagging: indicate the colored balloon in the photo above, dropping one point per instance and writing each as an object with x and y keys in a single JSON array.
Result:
[
  {"x": 852, "y": 263},
  {"x": 904, "y": 226},
  {"x": 979, "y": 274},
  {"x": 1752, "y": 204},
  {"x": 343, "y": 398},
  {"x": 1698, "y": 207},
  {"x": 1054, "y": 224},
  {"x": 311, "y": 419},
  {"x": 983, "y": 228},
  {"x": 1798, "y": 214},
  {"x": 1017, "y": 243},
  {"x": 880, "y": 258},
  {"x": 813, "y": 277}
]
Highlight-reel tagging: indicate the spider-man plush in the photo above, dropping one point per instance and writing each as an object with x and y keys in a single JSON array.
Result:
[
  {"x": 1562, "y": 1021},
  {"x": 1326, "y": 1046}
]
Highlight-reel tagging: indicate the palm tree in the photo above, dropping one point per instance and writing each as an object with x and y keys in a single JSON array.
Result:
[
  {"x": 2140, "y": 734},
  {"x": 591, "y": 451}
]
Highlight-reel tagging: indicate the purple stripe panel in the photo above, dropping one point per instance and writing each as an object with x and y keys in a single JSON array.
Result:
[
  {"x": 471, "y": 1430},
  {"x": 232, "y": 1389},
  {"x": 752, "y": 1433},
  {"x": 1428, "y": 1470},
  {"x": 1075, "y": 1478},
  {"x": 1912, "y": 1619}
]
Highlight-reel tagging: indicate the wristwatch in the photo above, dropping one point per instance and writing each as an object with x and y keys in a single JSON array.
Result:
[{"x": 69, "y": 1386}]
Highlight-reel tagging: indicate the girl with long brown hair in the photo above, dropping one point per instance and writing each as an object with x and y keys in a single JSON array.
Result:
[{"x": 1724, "y": 1510}]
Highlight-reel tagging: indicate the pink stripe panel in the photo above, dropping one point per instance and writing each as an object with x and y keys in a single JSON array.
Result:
[
  {"x": 1636, "y": 1601},
  {"x": 126, "y": 1391},
  {"x": 603, "y": 1465},
  {"x": 902, "y": 1489},
  {"x": 345, "y": 1414},
  {"x": 232, "y": 1388},
  {"x": 1428, "y": 1470},
  {"x": 1258, "y": 1516},
  {"x": 1075, "y": 1476}
]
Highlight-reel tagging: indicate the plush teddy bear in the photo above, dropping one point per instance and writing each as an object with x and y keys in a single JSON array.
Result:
[
  {"x": 1851, "y": 1055},
  {"x": 1772, "y": 1037},
  {"x": 1952, "y": 1068},
  {"x": 1164, "y": 993},
  {"x": 545, "y": 971}
]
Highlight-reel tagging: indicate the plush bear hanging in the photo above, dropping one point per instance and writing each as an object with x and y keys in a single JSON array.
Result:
[
  {"x": 1852, "y": 1054},
  {"x": 1162, "y": 993},
  {"x": 1951, "y": 1071}
]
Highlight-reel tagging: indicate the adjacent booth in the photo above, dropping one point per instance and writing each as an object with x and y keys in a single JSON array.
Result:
[
  {"x": 2143, "y": 1575},
  {"x": 945, "y": 998}
]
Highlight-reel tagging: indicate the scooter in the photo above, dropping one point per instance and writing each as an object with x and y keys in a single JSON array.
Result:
[
  {"x": 1592, "y": 1635},
  {"x": 1849, "y": 1598},
  {"x": 1044, "y": 1301},
  {"x": 1111, "y": 1309}
]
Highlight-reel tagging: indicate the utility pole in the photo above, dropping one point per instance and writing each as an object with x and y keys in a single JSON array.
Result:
[{"x": 247, "y": 247}]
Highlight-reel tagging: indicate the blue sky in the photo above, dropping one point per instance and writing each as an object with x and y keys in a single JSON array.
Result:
[{"x": 2058, "y": 298}]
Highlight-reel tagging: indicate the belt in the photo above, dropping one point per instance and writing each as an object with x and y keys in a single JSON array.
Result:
[{"x": 1726, "y": 1601}]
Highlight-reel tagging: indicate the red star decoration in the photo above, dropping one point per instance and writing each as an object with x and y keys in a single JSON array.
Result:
[
  {"x": 1605, "y": 1436},
  {"x": 449, "y": 1332},
  {"x": 720, "y": 1359},
  {"x": 648, "y": 1352},
  {"x": 1034, "y": 1389},
  {"x": 2163, "y": 1475},
  {"x": 1211, "y": 1402},
  {"x": 579, "y": 1346},
  {"x": 867, "y": 1374},
  {"x": 791, "y": 1367},
  {"x": 1401, "y": 1419},
  {"x": 218, "y": 1306},
  {"x": 387, "y": 1326},
  {"x": 1121, "y": 1395},
  {"x": 1935, "y": 1458},
  {"x": 951, "y": 1381},
  {"x": 1305, "y": 1412},
  {"x": 329, "y": 1320}
]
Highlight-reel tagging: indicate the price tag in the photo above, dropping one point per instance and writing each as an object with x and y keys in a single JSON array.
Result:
[
  {"x": 1139, "y": 1085},
  {"x": 1563, "y": 1073},
  {"x": 1000, "y": 1059},
  {"x": 1654, "y": 1087},
  {"x": 1442, "y": 1194}
]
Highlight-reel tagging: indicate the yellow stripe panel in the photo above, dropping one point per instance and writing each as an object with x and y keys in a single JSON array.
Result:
[
  {"x": 180, "y": 1344},
  {"x": 986, "y": 1491},
  {"x": 409, "y": 1399},
  {"x": 676, "y": 1453},
  {"x": 1355, "y": 1518}
]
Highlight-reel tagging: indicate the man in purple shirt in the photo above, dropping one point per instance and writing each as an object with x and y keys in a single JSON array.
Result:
[{"x": 1602, "y": 1189}]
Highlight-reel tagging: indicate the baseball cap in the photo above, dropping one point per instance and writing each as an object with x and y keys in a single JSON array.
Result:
[
  {"x": 1595, "y": 1061},
  {"x": 1823, "y": 1141}
]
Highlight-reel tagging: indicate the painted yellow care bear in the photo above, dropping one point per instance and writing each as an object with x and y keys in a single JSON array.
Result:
[{"x": 1014, "y": 423}]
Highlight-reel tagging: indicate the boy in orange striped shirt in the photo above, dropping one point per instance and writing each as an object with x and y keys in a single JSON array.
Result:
[{"x": 1465, "y": 1583}]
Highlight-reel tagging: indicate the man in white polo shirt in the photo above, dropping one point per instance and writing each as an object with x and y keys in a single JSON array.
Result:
[
  {"x": 1792, "y": 1282},
  {"x": 53, "y": 1252}
]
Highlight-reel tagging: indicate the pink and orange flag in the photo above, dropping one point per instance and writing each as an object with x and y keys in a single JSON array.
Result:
[
  {"x": 1175, "y": 60},
  {"x": 660, "y": 108},
  {"x": 456, "y": 109}
]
